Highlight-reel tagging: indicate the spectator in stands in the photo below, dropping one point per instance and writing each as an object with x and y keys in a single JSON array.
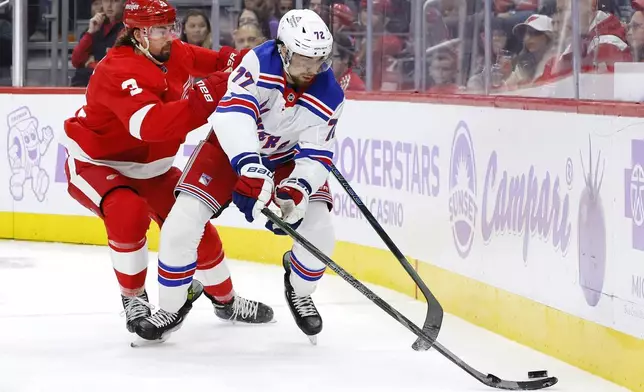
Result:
[
  {"x": 636, "y": 36},
  {"x": 536, "y": 33},
  {"x": 343, "y": 18},
  {"x": 196, "y": 29},
  {"x": 6, "y": 32},
  {"x": 603, "y": 41},
  {"x": 476, "y": 82},
  {"x": 248, "y": 36},
  {"x": 104, "y": 27},
  {"x": 265, "y": 12},
  {"x": 513, "y": 12},
  {"x": 385, "y": 46},
  {"x": 283, "y": 7},
  {"x": 315, "y": 6},
  {"x": 436, "y": 30},
  {"x": 343, "y": 62},
  {"x": 96, "y": 7},
  {"x": 248, "y": 17},
  {"x": 443, "y": 70}
]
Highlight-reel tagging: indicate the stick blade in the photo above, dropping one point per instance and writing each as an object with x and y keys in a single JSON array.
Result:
[
  {"x": 533, "y": 385},
  {"x": 432, "y": 325}
]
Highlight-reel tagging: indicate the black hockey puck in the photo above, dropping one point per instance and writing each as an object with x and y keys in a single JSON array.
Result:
[{"x": 538, "y": 374}]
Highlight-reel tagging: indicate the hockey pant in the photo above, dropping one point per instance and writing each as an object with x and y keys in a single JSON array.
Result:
[
  {"x": 205, "y": 190},
  {"x": 126, "y": 206}
]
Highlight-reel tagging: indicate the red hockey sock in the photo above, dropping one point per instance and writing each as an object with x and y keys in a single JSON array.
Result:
[
  {"x": 222, "y": 292},
  {"x": 130, "y": 266},
  {"x": 216, "y": 279},
  {"x": 126, "y": 218},
  {"x": 211, "y": 264}
]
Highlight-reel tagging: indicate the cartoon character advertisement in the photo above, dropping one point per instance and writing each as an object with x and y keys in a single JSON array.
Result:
[{"x": 28, "y": 142}]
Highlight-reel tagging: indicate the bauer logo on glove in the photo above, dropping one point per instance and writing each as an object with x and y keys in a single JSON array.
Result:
[{"x": 253, "y": 189}]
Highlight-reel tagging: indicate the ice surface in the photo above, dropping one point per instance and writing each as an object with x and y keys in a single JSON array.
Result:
[{"x": 61, "y": 331}]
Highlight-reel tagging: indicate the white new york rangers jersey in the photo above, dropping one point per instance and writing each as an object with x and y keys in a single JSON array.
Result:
[{"x": 261, "y": 114}]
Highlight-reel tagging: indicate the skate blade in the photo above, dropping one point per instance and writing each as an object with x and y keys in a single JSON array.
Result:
[
  {"x": 238, "y": 322},
  {"x": 140, "y": 342},
  {"x": 313, "y": 339}
]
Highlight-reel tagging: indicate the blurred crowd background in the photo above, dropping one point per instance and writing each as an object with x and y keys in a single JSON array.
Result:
[{"x": 436, "y": 46}]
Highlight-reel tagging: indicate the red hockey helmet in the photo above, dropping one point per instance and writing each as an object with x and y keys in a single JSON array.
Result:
[
  {"x": 343, "y": 14},
  {"x": 147, "y": 13},
  {"x": 380, "y": 7}
]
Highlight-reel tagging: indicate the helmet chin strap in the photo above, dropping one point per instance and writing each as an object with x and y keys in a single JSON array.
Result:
[
  {"x": 146, "y": 50},
  {"x": 286, "y": 62}
]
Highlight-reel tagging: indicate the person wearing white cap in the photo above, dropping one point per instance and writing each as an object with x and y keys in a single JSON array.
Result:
[{"x": 537, "y": 36}]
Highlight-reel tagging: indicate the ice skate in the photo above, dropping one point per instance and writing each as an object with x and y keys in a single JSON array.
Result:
[
  {"x": 158, "y": 327},
  {"x": 242, "y": 310},
  {"x": 135, "y": 309},
  {"x": 303, "y": 309}
]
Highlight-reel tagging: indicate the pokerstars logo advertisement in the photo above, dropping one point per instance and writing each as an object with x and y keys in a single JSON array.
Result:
[
  {"x": 514, "y": 199},
  {"x": 389, "y": 166}
]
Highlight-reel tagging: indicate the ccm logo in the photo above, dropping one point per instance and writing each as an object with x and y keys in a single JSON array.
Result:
[{"x": 204, "y": 91}]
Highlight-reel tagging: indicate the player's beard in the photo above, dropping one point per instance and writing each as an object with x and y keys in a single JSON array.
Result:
[
  {"x": 301, "y": 81},
  {"x": 164, "y": 55}
]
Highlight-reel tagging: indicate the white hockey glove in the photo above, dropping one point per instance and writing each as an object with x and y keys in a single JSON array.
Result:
[{"x": 292, "y": 197}]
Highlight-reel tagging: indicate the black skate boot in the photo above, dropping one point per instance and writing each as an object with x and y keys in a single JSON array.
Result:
[
  {"x": 242, "y": 310},
  {"x": 135, "y": 309},
  {"x": 303, "y": 309},
  {"x": 158, "y": 327}
]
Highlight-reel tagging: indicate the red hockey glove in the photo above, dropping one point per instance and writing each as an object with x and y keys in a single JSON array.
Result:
[
  {"x": 206, "y": 93},
  {"x": 229, "y": 58}
]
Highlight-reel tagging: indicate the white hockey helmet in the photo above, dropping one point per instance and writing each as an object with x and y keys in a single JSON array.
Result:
[{"x": 303, "y": 32}]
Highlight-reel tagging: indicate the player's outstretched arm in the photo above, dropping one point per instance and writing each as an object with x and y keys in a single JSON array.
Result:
[
  {"x": 138, "y": 106},
  {"x": 205, "y": 61}
]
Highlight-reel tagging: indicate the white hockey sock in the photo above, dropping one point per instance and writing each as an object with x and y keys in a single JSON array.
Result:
[
  {"x": 306, "y": 269},
  {"x": 180, "y": 237}
]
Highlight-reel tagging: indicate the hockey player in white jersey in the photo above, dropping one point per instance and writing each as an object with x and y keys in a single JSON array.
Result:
[{"x": 271, "y": 141}]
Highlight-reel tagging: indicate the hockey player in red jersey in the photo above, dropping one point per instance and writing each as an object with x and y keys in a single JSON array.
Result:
[{"x": 141, "y": 104}]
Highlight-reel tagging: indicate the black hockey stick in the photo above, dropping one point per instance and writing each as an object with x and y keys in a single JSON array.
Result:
[
  {"x": 434, "y": 317},
  {"x": 489, "y": 380}
]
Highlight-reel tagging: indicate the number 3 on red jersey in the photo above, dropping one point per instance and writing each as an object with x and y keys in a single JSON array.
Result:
[{"x": 131, "y": 85}]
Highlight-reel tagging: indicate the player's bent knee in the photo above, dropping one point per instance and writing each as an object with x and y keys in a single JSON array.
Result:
[
  {"x": 317, "y": 227},
  {"x": 126, "y": 216},
  {"x": 182, "y": 231}
]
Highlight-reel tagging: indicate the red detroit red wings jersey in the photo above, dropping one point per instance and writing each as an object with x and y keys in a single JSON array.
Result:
[{"x": 135, "y": 118}]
